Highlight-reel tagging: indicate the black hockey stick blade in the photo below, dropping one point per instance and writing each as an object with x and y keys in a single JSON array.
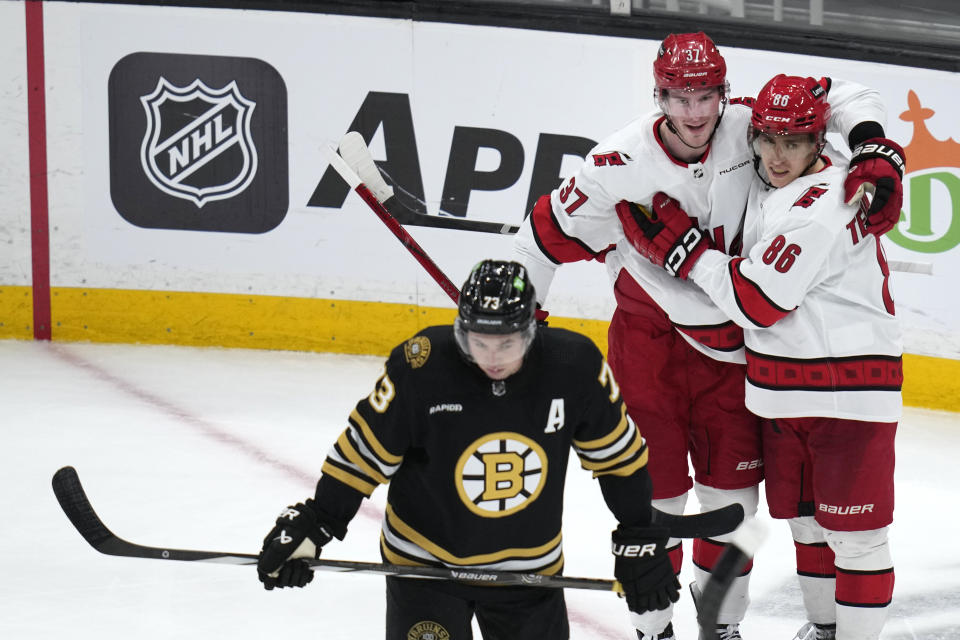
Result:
[
  {"x": 409, "y": 217},
  {"x": 353, "y": 150},
  {"x": 746, "y": 540},
  {"x": 701, "y": 525},
  {"x": 75, "y": 504}
]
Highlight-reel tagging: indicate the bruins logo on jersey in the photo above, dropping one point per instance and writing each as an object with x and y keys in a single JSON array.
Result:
[
  {"x": 417, "y": 350},
  {"x": 501, "y": 473},
  {"x": 428, "y": 630}
]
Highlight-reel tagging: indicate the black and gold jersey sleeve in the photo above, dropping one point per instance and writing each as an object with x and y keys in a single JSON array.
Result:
[
  {"x": 371, "y": 448},
  {"x": 607, "y": 440}
]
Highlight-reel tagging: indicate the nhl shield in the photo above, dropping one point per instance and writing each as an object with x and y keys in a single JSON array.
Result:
[{"x": 197, "y": 144}]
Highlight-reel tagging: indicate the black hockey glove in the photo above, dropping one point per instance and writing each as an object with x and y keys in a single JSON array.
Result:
[
  {"x": 643, "y": 568},
  {"x": 298, "y": 533}
]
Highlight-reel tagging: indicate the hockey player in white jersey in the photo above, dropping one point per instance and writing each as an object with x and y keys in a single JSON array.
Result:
[
  {"x": 823, "y": 351},
  {"x": 678, "y": 357}
]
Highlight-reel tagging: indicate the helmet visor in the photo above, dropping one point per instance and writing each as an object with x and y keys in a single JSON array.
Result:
[
  {"x": 498, "y": 355},
  {"x": 700, "y": 102},
  {"x": 790, "y": 147}
]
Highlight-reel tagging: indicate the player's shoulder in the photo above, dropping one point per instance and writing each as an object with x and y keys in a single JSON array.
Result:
[
  {"x": 564, "y": 348},
  {"x": 429, "y": 349}
]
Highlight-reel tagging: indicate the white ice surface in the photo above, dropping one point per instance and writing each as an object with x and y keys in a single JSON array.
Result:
[{"x": 200, "y": 448}]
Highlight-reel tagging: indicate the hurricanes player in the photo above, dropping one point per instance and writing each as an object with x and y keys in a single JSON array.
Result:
[
  {"x": 823, "y": 353},
  {"x": 677, "y": 356},
  {"x": 472, "y": 426}
]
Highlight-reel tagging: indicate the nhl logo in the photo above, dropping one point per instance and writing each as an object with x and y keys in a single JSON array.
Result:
[{"x": 197, "y": 145}]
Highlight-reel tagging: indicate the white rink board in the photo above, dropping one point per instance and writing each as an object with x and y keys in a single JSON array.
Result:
[
  {"x": 14, "y": 160},
  {"x": 524, "y": 83}
]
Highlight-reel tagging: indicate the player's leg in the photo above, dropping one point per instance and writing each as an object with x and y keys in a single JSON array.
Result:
[
  {"x": 422, "y": 609},
  {"x": 789, "y": 492},
  {"x": 726, "y": 453},
  {"x": 522, "y": 613},
  {"x": 853, "y": 465},
  {"x": 815, "y": 571},
  {"x": 707, "y": 551},
  {"x": 659, "y": 407}
]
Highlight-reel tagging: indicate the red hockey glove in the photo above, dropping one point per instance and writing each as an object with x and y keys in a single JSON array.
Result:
[
  {"x": 667, "y": 237},
  {"x": 878, "y": 162}
]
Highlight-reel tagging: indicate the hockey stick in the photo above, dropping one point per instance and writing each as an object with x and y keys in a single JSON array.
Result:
[
  {"x": 75, "y": 504},
  {"x": 746, "y": 540},
  {"x": 352, "y": 179},
  {"x": 353, "y": 149},
  {"x": 906, "y": 266}
]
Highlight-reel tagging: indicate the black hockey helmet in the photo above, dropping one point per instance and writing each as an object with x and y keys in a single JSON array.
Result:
[{"x": 497, "y": 298}]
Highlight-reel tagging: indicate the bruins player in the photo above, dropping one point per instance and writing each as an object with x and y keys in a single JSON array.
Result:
[{"x": 471, "y": 425}]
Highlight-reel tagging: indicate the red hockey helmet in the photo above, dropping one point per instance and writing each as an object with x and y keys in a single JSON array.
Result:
[
  {"x": 789, "y": 105},
  {"x": 689, "y": 61}
]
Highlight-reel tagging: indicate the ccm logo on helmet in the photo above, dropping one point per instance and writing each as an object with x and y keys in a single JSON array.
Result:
[{"x": 634, "y": 550}]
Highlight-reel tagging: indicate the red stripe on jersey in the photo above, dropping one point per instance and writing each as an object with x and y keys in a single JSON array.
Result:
[
  {"x": 676, "y": 557},
  {"x": 706, "y": 552},
  {"x": 551, "y": 239},
  {"x": 857, "y": 373},
  {"x": 632, "y": 299},
  {"x": 885, "y": 270},
  {"x": 815, "y": 560},
  {"x": 722, "y": 337},
  {"x": 751, "y": 299},
  {"x": 864, "y": 588}
]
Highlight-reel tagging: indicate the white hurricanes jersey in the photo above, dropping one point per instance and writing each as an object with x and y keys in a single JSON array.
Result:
[
  {"x": 812, "y": 294},
  {"x": 632, "y": 164}
]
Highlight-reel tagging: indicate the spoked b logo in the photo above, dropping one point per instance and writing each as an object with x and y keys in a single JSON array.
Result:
[{"x": 198, "y": 142}]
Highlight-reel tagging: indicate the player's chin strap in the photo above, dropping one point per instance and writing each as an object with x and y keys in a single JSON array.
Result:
[{"x": 673, "y": 128}]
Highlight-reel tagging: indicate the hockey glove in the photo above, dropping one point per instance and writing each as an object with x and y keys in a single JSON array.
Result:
[
  {"x": 643, "y": 568},
  {"x": 878, "y": 162},
  {"x": 667, "y": 236},
  {"x": 298, "y": 533}
]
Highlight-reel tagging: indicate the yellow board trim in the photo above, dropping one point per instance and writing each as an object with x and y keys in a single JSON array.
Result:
[{"x": 314, "y": 324}]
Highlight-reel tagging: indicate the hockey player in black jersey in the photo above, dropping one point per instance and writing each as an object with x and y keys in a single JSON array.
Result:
[{"x": 471, "y": 426}]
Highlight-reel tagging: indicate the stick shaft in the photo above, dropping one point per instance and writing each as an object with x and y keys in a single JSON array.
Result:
[{"x": 395, "y": 227}]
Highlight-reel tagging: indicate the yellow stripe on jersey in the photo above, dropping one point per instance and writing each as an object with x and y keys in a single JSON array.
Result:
[
  {"x": 443, "y": 555},
  {"x": 372, "y": 440},
  {"x": 348, "y": 478},
  {"x": 611, "y": 437},
  {"x": 353, "y": 456},
  {"x": 554, "y": 568},
  {"x": 395, "y": 558},
  {"x": 626, "y": 470},
  {"x": 636, "y": 444}
]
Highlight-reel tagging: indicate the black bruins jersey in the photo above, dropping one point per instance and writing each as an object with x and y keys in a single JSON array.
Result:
[{"x": 476, "y": 467}]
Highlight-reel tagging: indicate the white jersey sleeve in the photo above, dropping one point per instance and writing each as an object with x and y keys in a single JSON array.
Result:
[{"x": 851, "y": 104}]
